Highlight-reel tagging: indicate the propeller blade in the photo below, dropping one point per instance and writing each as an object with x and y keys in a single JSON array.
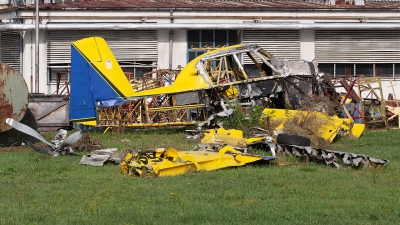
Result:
[
  {"x": 71, "y": 139},
  {"x": 27, "y": 130},
  {"x": 39, "y": 149}
]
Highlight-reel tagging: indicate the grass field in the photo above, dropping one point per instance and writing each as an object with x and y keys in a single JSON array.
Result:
[{"x": 37, "y": 189}]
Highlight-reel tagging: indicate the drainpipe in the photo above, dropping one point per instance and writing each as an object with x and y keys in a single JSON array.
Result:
[
  {"x": 32, "y": 71},
  {"x": 37, "y": 47},
  {"x": 206, "y": 26},
  {"x": 171, "y": 35}
]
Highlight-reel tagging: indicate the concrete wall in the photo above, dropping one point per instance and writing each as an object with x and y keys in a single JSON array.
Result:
[{"x": 179, "y": 48}]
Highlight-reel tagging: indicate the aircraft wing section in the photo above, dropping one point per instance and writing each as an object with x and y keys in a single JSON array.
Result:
[{"x": 191, "y": 78}]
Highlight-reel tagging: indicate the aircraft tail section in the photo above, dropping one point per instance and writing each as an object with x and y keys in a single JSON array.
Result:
[{"x": 96, "y": 79}]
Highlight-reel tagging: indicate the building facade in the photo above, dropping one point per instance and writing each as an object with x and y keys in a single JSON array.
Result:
[{"x": 345, "y": 37}]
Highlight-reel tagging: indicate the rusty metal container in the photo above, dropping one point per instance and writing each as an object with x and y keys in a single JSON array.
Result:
[{"x": 13, "y": 96}]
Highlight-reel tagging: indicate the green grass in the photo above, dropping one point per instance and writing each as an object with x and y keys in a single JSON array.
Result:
[{"x": 36, "y": 189}]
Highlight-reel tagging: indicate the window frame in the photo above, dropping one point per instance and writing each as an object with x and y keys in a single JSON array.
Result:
[{"x": 200, "y": 49}]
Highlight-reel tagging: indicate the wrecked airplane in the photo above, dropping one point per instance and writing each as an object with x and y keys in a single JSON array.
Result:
[{"x": 101, "y": 94}]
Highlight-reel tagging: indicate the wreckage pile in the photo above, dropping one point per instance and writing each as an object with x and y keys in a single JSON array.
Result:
[{"x": 220, "y": 148}]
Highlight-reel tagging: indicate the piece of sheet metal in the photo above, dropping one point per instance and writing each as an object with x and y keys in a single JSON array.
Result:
[
  {"x": 330, "y": 157},
  {"x": 328, "y": 126},
  {"x": 338, "y": 159},
  {"x": 13, "y": 96},
  {"x": 99, "y": 157},
  {"x": 171, "y": 162}
]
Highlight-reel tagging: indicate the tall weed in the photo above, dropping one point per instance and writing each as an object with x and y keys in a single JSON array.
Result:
[{"x": 243, "y": 118}]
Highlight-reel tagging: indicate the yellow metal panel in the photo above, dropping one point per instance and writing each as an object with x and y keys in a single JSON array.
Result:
[
  {"x": 172, "y": 162},
  {"x": 189, "y": 79},
  {"x": 222, "y": 136},
  {"x": 329, "y": 125}
]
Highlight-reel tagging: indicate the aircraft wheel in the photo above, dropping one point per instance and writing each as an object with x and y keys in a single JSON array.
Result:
[{"x": 288, "y": 139}]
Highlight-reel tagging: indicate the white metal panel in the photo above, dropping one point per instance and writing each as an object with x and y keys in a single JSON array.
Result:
[
  {"x": 10, "y": 42},
  {"x": 379, "y": 46},
  {"x": 125, "y": 45},
  {"x": 282, "y": 44}
]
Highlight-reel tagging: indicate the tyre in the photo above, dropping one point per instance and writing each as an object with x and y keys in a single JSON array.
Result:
[{"x": 288, "y": 139}]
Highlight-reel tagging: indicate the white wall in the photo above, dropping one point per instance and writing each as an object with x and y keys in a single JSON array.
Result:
[
  {"x": 307, "y": 47},
  {"x": 28, "y": 58},
  {"x": 179, "y": 50}
]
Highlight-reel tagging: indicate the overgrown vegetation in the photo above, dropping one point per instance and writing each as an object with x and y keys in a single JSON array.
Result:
[
  {"x": 243, "y": 118},
  {"x": 303, "y": 124},
  {"x": 48, "y": 190}
]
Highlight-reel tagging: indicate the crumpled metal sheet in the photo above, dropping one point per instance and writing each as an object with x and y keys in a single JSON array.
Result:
[
  {"x": 99, "y": 157},
  {"x": 330, "y": 157},
  {"x": 171, "y": 162}
]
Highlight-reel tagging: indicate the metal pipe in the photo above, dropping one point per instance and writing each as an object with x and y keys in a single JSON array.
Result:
[
  {"x": 370, "y": 16},
  {"x": 206, "y": 26},
  {"x": 171, "y": 33},
  {"x": 37, "y": 47}
]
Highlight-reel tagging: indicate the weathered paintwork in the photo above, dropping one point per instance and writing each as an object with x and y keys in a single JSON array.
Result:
[
  {"x": 51, "y": 111},
  {"x": 13, "y": 96},
  {"x": 171, "y": 162}
]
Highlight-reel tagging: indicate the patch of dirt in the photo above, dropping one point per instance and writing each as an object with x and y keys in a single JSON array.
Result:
[
  {"x": 87, "y": 143},
  {"x": 21, "y": 148}
]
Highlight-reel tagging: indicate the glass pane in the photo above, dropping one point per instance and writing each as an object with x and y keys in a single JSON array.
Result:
[
  {"x": 193, "y": 38},
  {"x": 139, "y": 71},
  {"x": 365, "y": 69},
  {"x": 327, "y": 68},
  {"x": 344, "y": 69},
  {"x": 129, "y": 72},
  {"x": 397, "y": 71},
  {"x": 192, "y": 55},
  {"x": 384, "y": 69},
  {"x": 340, "y": 69},
  {"x": 252, "y": 71},
  {"x": 220, "y": 38},
  {"x": 207, "y": 38},
  {"x": 62, "y": 73},
  {"x": 234, "y": 37}
]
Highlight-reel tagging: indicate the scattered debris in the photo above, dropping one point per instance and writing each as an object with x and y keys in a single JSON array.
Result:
[
  {"x": 215, "y": 139},
  {"x": 395, "y": 111},
  {"x": 170, "y": 161},
  {"x": 101, "y": 156},
  {"x": 286, "y": 144},
  {"x": 60, "y": 145},
  {"x": 330, "y": 157},
  {"x": 87, "y": 143}
]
